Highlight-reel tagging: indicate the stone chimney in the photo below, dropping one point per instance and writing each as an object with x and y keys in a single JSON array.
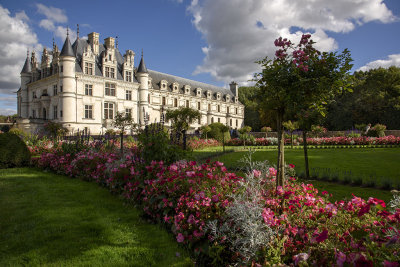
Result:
[
  {"x": 94, "y": 42},
  {"x": 234, "y": 88},
  {"x": 109, "y": 42}
]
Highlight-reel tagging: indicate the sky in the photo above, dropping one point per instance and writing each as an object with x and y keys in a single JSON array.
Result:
[{"x": 212, "y": 41}]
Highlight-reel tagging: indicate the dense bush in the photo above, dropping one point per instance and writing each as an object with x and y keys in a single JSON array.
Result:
[
  {"x": 217, "y": 132},
  {"x": 13, "y": 151}
]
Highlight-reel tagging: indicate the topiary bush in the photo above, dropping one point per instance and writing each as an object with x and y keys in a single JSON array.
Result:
[
  {"x": 217, "y": 132},
  {"x": 13, "y": 151}
]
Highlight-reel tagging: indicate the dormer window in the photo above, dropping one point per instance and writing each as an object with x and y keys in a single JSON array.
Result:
[
  {"x": 236, "y": 99},
  {"x": 187, "y": 89},
  {"x": 175, "y": 87},
  {"x": 198, "y": 92},
  {"x": 218, "y": 96},
  {"x": 208, "y": 94},
  {"x": 228, "y": 98},
  {"x": 109, "y": 57},
  {"x": 128, "y": 76},
  {"x": 163, "y": 84}
]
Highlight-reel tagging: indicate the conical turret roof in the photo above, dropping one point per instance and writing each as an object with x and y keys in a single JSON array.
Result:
[
  {"x": 142, "y": 67},
  {"x": 27, "y": 66},
  {"x": 67, "y": 50}
]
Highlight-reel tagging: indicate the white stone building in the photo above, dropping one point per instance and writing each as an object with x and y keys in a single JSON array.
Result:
[{"x": 85, "y": 84}]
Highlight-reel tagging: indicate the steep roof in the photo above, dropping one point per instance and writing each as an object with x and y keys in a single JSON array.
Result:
[
  {"x": 142, "y": 67},
  {"x": 67, "y": 50},
  {"x": 157, "y": 77},
  {"x": 27, "y": 66}
]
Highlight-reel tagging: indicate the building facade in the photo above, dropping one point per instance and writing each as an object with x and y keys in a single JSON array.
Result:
[{"x": 86, "y": 83}]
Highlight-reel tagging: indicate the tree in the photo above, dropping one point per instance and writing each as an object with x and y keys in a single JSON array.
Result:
[
  {"x": 244, "y": 134},
  {"x": 299, "y": 78},
  {"x": 291, "y": 127},
  {"x": 205, "y": 129},
  {"x": 224, "y": 129},
  {"x": 182, "y": 117},
  {"x": 55, "y": 129},
  {"x": 122, "y": 121},
  {"x": 248, "y": 96}
]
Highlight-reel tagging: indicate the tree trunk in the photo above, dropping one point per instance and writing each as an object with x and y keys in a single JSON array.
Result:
[
  {"x": 280, "y": 176},
  {"x": 223, "y": 143},
  {"x": 122, "y": 143},
  {"x": 306, "y": 154},
  {"x": 291, "y": 140}
]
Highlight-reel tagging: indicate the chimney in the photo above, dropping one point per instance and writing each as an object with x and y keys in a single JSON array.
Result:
[
  {"x": 109, "y": 42},
  {"x": 234, "y": 88},
  {"x": 94, "y": 42}
]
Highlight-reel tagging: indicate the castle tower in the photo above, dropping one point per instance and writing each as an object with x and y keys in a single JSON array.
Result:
[
  {"x": 26, "y": 75},
  {"x": 67, "y": 80},
  {"x": 142, "y": 76}
]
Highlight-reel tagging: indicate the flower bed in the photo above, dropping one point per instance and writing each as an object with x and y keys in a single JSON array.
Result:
[
  {"x": 323, "y": 141},
  {"x": 228, "y": 219},
  {"x": 196, "y": 143}
]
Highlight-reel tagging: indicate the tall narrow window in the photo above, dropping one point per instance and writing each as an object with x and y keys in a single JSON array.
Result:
[
  {"x": 128, "y": 95},
  {"x": 55, "y": 89},
  {"x": 128, "y": 76},
  {"x": 148, "y": 98},
  {"x": 61, "y": 69},
  {"x": 198, "y": 105},
  {"x": 219, "y": 108},
  {"x": 88, "y": 112},
  {"x": 212, "y": 119},
  {"x": 61, "y": 114},
  {"x": 236, "y": 111},
  {"x": 175, "y": 102},
  {"x": 107, "y": 71},
  {"x": 55, "y": 112},
  {"x": 61, "y": 88},
  {"x": 128, "y": 112},
  {"x": 163, "y": 101},
  {"x": 88, "y": 89},
  {"x": 110, "y": 89},
  {"x": 88, "y": 68},
  {"x": 33, "y": 113},
  {"x": 187, "y": 103},
  {"x": 209, "y": 107},
  {"x": 108, "y": 111},
  {"x": 112, "y": 72},
  {"x": 219, "y": 120},
  {"x": 237, "y": 123}
]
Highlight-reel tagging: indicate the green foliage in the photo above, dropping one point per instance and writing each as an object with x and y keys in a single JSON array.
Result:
[
  {"x": 377, "y": 131},
  {"x": 291, "y": 126},
  {"x": 248, "y": 96},
  {"x": 55, "y": 129},
  {"x": 154, "y": 144},
  {"x": 205, "y": 129},
  {"x": 353, "y": 134},
  {"x": 72, "y": 148},
  {"x": 13, "y": 151},
  {"x": 182, "y": 118},
  {"x": 217, "y": 132},
  {"x": 266, "y": 129},
  {"x": 123, "y": 121},
  {"x": 245, "y": 130}
]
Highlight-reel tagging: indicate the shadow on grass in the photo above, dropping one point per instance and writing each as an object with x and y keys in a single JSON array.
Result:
[{"x": 47, "y": 219}]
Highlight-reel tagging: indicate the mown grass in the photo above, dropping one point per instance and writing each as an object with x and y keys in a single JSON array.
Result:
[
  {"x": 377, "y": 165},
  {"x": 52, "y": 220}
]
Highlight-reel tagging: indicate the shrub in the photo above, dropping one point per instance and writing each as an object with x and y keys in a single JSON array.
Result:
[
  {"x": 217, "y": 133},
  {"x": 13, "y": 151},
  {"x": 55, "y": 129},
  {"x": 266, "y": 129}
]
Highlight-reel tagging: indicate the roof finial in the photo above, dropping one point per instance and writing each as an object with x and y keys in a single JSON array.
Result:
[
  {"x": 53, "y": 43},
  {"x": 142, "y": 52},
  {"x": 116, "y": 43},
  {"x": 27, "y": 52},
  {"x": 67, "y": 32},
  {"x": 77, "y": 31}
]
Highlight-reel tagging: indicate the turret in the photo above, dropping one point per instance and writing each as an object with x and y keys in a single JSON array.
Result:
[
  {"x": 26, "y": 76},
  {"x": 67, "y": 81},
  {"x": 142, "y": 76}
]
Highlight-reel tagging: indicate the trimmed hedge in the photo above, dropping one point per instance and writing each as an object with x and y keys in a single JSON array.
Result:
[{"x": 13, "y": 151}]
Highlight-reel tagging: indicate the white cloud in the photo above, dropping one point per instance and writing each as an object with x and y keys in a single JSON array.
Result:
[
  {"x": 7, "y": 111},
  {"x": 47, "y": 24},
  {"x": 52, "y": 13},
  {"x": 393, "y": 60},
  {"x": 21, "y": 16},
  {"x": 15, "y": 38},
  {"x": 239, "y": 32}
]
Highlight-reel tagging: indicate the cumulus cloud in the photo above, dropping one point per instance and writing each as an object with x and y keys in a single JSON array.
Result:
[
  {"x": 393, "y": 60},
  {"x": 54, "y": 16},
  {"x": 239, "y": 32},
  {"x": 16, "y": 37}
]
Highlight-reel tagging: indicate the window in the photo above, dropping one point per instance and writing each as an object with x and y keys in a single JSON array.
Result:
[
  {"x": 109, "y": 57},
  {"x": 148, "y": 98},
  {"x": 219, "y": 120},
  {"x": 88, "y": 112},
  {"x": 219, "y": 108},
  {"x": 110, "y": 89},
  {"x": 227, "y": 110},
  {"x": 107, "y": 71},
  {"x": 61, "y": 114},
  {"x": 88, "y": 68},
  {"x": 108, "y": 111},
  {"x": 112, "y": 72},
  {"x": 88, "y": 89},
  {"x": 33, "y": 113},
  {"x": 212, "y": 119},
  {"x": 128, "y": 95},
  {"x": 61, "y": 69},
  {"x": 34, "y": 95},
  {"x": 175, "y": 102},
  {"x": 55, "y": 89},
  {"x": 128, "y": 76},
  {"x": 209, "y": 107},
  {"x": 61, "y": 88},
  {"x": 236, "y": 111},
  {"x": 128, "y": 112},
  {"x": 237, "y": 123},
  {"x": 230, "y": 122},
  {"x": 198, "y": 105},
  {"x": 163, "y": 100},
  {"x": 55, "y": 112},
  {"x": 163, "y": 86},
  {"x": 187, "y": 103}
]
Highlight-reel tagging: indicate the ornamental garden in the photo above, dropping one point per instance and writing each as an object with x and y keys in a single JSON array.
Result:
[{"x": 295, "y": 197}]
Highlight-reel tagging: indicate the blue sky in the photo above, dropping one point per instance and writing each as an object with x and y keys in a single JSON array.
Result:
[{"x": 213, "y": 41}]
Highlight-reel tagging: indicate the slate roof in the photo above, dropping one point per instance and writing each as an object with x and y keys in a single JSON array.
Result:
[
  {"x": 157, "y": 77},
  {"x": 27, "y": 66},
  {"x": 142, "y": 67},
  {"x": 67, "y": 49}
]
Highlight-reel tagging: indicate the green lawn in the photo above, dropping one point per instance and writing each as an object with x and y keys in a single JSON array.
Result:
[
  {"x": 381, "y": 165},
  {"x": 52, "y": 220}
]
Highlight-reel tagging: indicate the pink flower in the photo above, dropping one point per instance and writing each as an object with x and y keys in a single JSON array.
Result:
[
  {"x": 180, "y": 238},
  {"x": 291, "y": 166},
  {"x": 256, "y": 173},
  {"x": 320, "y": 237},
  {"x": 340, "y": 258},
  {"x": 300, "y": 257},
  {"x": 363, "y": 210},
  {"x": 387, "y": 263}
]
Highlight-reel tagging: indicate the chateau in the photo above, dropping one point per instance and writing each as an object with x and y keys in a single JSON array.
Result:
[{"x": 85, "y": 84}]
